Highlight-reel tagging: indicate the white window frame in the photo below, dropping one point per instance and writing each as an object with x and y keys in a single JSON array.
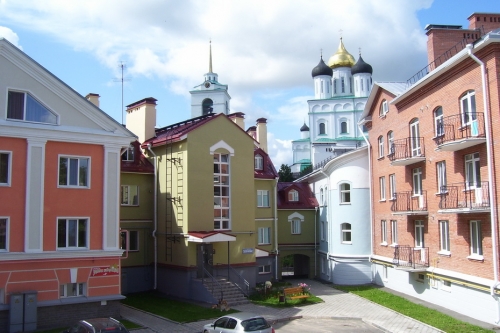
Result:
[
  {"x": 264, "y": 235},
  {"x": 26, "y": 101},
  {"x": 468, "y": 108},
  {"x": 472, "y": 171},
  {"x": 345, "y": 194},
  {"x": 381, "y": 182},
  {"x": 80, "y": 288},
  {"x": 265, "y": 269},
  {"x": 129, "y": 154},
  {"x": 417, "y": 181},
  {"x": 4, "y": 233},
  {"x": 346, "y": 232},
  {"x": 259, "y": 162},
  {"x": 476, "y": 240},
  {"x": 438, "y": 122},
  {"x": 390, "y": 142},
  {"x": 222, "y": 191},
  {"x": 7, "y": 169},
  {"x": 383, "y": 232},
  {"x": 444, "y": 237},
  {"x": 67, "y": 182},
  {"x": 416, "y": 149},
  {"x": 441, "y": 176},
  {"x": 380, "y": 146},
  {"x": 296, "y": 226},
  {"x": 68, "y": 220},
  {"x": 385, "y": 273},
  {"x": 394, "y": 232},
  {"x": 446, "y": 285},
  {"x": 419, "y": 234},
  {"x": 392, "y": 186},
  {"x": 293, "y": 195},
  {"x": 263, "y": 198},
  {"x": 383, "y": 109},
  {"x": 126, "y": 194}
]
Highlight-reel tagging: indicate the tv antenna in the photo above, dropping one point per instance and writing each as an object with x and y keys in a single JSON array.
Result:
[{"x": 122, "y": 79}]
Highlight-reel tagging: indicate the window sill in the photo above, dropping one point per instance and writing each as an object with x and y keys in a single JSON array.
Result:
[
  {"x": 263, "y": 243},
  {"x": 380, "y": 158},
  {"x": 381, "y": 200},
  {"x": 344, "y": 203},
  {"x": 263, "y": 207},
  {"x": 394, "y": 245},
  {"x": 441, "y": 193},
  {"x": 4, "y": 185},
  {"x": 383, "y": 244},
  {"x": 264, "y": 273},
  {"x": 392, "y": 199},
  {"x": 382, "y": 116},
  {"x": 444, "y": 253},
  {"x": 476, "y": 257},
  {"x": 73, "y": 187},
  {"x": 347, "y": 243}
]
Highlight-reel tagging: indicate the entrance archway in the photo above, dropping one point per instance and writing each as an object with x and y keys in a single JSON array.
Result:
[{"x": 295, "y": 266}]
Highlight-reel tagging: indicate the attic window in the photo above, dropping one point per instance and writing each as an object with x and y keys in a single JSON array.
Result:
[
  {"x": 23, "y": 106},
  {"x": 293, "y": 195},
  {"x": 259, "y": 162},
  {"x": 128, "y": 155}
]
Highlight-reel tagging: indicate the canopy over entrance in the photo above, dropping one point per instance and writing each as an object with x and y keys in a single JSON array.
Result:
[{"x": 210, "y": 237}]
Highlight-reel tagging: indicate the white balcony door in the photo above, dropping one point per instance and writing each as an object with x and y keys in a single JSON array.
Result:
[{"x": 416, "y": 150}]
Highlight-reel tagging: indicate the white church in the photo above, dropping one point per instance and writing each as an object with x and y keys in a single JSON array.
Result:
[{"x": 341, "y": 90}]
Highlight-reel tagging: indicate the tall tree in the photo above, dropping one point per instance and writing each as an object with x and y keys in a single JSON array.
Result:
[{"x": 285, "y": 173}]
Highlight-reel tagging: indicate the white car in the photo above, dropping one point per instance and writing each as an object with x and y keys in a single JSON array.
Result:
[{"x": 239, "y": 322}]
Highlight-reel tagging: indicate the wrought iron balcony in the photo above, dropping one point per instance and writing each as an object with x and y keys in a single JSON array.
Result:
[
  {"x": 411, "y": 258},
  {"x": 407, "y": 203},
  {"x": 460, "y": 131},
  {"x": 407, "y": 151},
  {"x": 465, "y": 197}
]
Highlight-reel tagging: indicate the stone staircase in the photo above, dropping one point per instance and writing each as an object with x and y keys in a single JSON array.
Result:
[{"x": 232, "y": 294}]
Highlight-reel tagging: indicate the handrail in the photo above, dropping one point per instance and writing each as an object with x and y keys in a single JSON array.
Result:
[
  {"x": 213, "y": 280},
  {"x": 246, "y": 290}
]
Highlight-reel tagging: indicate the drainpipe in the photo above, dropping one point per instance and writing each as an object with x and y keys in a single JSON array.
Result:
[
  {"x": 328, "y": 220},
  {"x": 155, "y": 218},
  {"x": 276, "y": 229},
  {"x": 494, "y": 229},
  {"x": 315, "y": 242},
  {"x": 370, "y": 189}
]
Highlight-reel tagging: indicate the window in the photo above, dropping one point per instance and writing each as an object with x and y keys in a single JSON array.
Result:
[
  {"x": 394, "y": 232},
  {"x": 381, "y": 182},
  {"x": 293, "y": 195},
  {"x": 296, "y": 227},
  {"x": 385, "y": 273},
  {"x": 3, "y": 234},
  {"x": 416, "y": 149},
  {"x": 130, "y": 195},
  {"x": 22, "y": 106},
  {"x": 343, "y": 127},
  {"x": 74, "y": 171},
  {"x": 444, "y": 236},
  {"x": 5, "y": 168},
  {"x": 259, "y": 162},
  {"x": 334, "y": 86},
  {"x": 264, "y": 235},
  {"x": 380, "y": 146},
  {"x": 468, "y": 108},
  {"x": 392, "y": 186},
  {"x": 265, "y": 269},
  {"x": 446, "y": 285},
  {"x": 221, "y": 191},
  {"x": 476, "y": 240},
  {"x": 322, "y": 231},
  {"x": 322, "y": 196},
  {"x": 72, "y": 290},
  {"x": 130, "y": 240},
  {"x": 441, "y": 176},
  {"x": 262, "y": 198},
  {"x": 419, "y": 233},
  {"x": 345, "y": 193},
  {"x": 128, "y": 154},
  {"x": 342, "y": 83},
  {"x": 322, "y": 128},
  {"x": 438, "y": 122},
  {"x": 72, "y": 233},
  {"x": 390, "y": 142},
  {"x": 346, "y": 233},
  {"x": 383, "y": 232},
  {"x": 417, "y": 181},
  {"x": 384, "y": 108},
  {"x": 207, "y": 106},
  {"x": 472, "y": 171}
]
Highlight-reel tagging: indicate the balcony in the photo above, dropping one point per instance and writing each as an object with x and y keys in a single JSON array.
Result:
[
  {"x": 465, "y": 198},
  {"x": 407, "y": 203},
  {"x": 407, "y": 151},
  {"x": 459, "y": 132},
  {"x": 412, "y": 259}
]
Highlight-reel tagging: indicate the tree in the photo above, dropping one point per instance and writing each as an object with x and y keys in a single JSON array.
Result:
[{"x": 285, "y": 173}]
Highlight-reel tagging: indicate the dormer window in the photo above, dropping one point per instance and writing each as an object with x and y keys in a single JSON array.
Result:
[
  {"x": 384, "y": 108},
  {"x": 259, "y": 162},
  {"x": 293, "y": 195},
  {"x": 128, "y": 155},
  {"x": 23, "y": 106}
]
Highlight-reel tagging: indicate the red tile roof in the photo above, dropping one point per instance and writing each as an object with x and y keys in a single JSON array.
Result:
[
  {"x": 306, "y": 196},
  {"x": 140, "y": 164}
]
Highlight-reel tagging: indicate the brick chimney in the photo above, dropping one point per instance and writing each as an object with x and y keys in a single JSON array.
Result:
[
  {"x": 93, "y": 98},
  {"x": 238, "y": 118},
  {"x": 141, "y": 118},
  {"x": 262, "y": 133},
  {"x": 484, "y": 21}
]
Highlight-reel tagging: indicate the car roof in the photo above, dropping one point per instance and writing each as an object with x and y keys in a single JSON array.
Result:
[{"x": 243, "y": 315}]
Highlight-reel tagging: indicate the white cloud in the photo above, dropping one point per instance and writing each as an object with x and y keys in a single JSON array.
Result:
[
  {"x": 280, "y": 151},
  {"x": 10, "y": 35}
]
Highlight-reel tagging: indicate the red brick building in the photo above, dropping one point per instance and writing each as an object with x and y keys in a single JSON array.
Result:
[{"x": 434, "y": 151}]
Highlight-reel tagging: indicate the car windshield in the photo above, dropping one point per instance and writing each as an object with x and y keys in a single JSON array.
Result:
[{"x": 254, "y": 324}]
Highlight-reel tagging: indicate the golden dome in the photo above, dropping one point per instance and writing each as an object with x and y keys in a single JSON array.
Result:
[{"x": 341, "y": 58}]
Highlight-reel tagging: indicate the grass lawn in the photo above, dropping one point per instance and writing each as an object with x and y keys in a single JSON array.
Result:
[
  {"x": 270, "y": 296},
  {"x": 412, "y": 310},
  {"x": 174, "y": 310}
]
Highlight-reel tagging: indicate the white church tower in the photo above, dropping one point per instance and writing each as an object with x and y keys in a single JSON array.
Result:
[{"x": 210, "y": 96}]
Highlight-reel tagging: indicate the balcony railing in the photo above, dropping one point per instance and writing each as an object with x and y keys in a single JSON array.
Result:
[
  {"x": 414, "y": 258},
  {"x": 407, "y": 151},
  {"x": 460, "y": 131},
  {"x": 465, "y": 196},
  {"x": 409, "y": 202}
]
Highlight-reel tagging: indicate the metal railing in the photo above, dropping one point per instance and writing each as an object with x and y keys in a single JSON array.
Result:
[
  {"x": 236, "y": 278},
  {"x": 459, "y": 127},
  {"x": 409, "y": 202},
  {"x": 465, "y": 195},
  {"x": 411, "y": 257},
  {"x": 406, "y": 148},
  {"x": 214, "y": 282}
]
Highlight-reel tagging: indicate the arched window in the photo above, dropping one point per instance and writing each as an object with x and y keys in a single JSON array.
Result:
[
  {"x": 343, "y": 127},
  {"x": 322, "y": 128},
  {"x": 438, "y": 121},
  {"x": 468, "y": 107},
  {"x": 345, "y": 193},
  {"x": 384, "y": 108},
  {"x": 259, "y": 162},
  {"x": 207, "y": 106}
]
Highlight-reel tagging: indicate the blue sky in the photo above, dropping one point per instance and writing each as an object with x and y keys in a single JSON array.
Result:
[{"x": 264, "y": 50}]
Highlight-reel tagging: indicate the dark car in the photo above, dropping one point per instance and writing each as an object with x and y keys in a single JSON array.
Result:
[{"x": 97, "y": 325}]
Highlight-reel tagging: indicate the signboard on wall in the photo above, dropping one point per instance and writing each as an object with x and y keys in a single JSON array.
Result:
[
  {"x": 247, "y": 251},
  {"x": 105, "y": 271}
]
